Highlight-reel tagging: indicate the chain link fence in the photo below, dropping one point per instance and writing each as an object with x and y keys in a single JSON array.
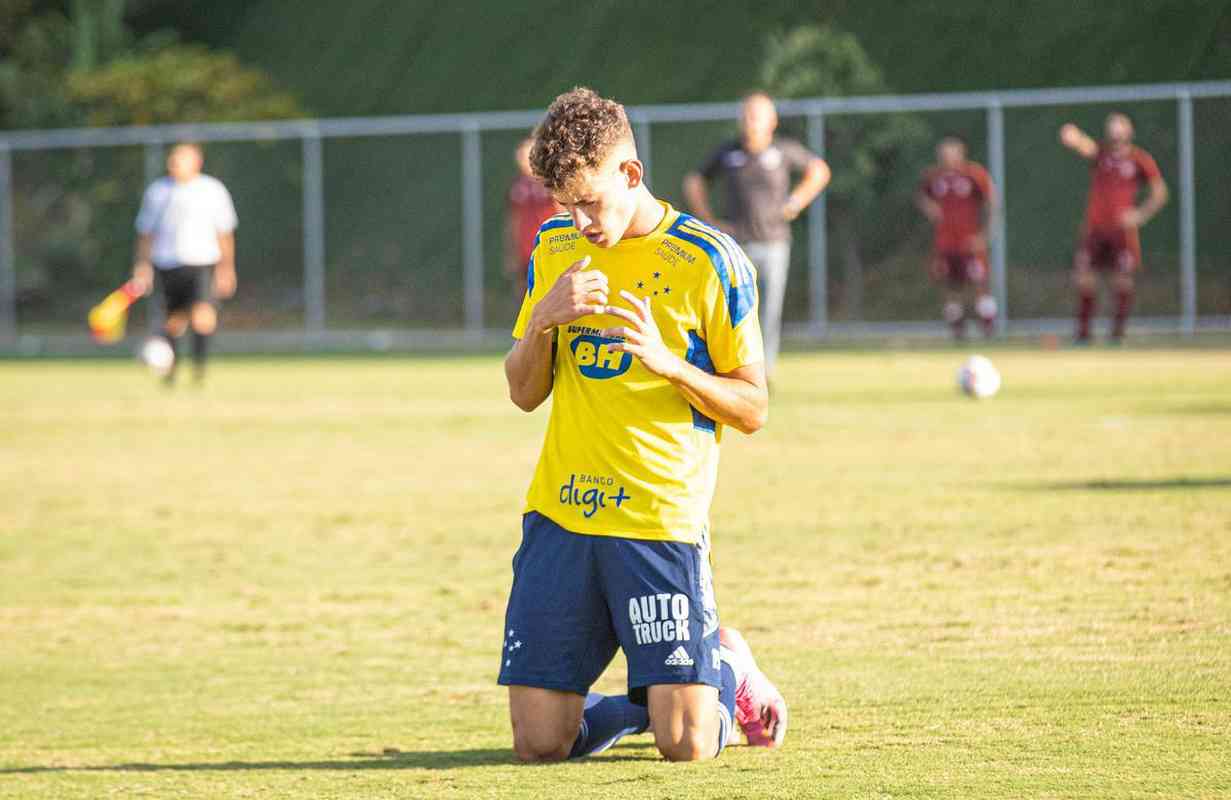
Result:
[{"x": 380, "y": 233}]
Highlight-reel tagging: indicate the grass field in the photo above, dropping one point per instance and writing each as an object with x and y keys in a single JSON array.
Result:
[{"x": 291, "y": 583}]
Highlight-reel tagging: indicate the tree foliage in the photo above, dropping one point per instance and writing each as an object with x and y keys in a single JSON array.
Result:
[
  {"x": 820, "y": 61},
  {"x": 178, "y": 83}
]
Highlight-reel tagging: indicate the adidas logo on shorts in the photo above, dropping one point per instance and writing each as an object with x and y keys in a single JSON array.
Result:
[{"x": 679, "y": 658}]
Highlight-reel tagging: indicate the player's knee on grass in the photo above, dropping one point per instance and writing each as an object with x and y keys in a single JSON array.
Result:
[
  {"x": 204, "y": 319},
  {"x": 691, "y": 744},
  {"x": 684, "y": 719},
  {"x": 176, "y": 324},
  {"x": 545, "y": 723}
]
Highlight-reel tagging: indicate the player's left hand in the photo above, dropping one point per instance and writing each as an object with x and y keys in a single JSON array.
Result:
[
  {"x": 642, "y": 337},
  {"x": 224, "y": 282},
  {"x": 1131, "y": 218},
  {"x": 790, "y": 211}
]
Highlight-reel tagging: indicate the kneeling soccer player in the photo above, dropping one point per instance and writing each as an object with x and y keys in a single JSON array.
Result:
[{"x": 615, "y": 542}]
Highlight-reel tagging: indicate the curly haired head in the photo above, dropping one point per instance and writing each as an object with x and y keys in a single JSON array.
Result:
[{"x": 579, "y": 132}]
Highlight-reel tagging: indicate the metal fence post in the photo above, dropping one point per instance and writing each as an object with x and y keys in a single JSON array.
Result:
[
  {"x": 1188, "y": 219},
  {"x": 641, "y": 132},
  {"x": 313, "y": 233},
  {"x": 472, "y": 229},
  {"x": 153, "y": 165},
  {"x": 999, "y": 244},
  {"x": 818, "y": 267},
  {"x": 8, "y": 266}
]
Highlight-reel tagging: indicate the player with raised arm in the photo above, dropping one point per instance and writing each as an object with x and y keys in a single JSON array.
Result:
[
  {"x": 1109, "y": 239},
  {"x": 958, "y": 198},
  {"x": 641, "y": 322},
  {"x": 186, "y": 247}
]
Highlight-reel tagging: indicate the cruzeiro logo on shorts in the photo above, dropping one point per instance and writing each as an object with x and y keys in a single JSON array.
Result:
[
  {"x": 659, "y": 617},
  {"x": 595, "y": 355}
]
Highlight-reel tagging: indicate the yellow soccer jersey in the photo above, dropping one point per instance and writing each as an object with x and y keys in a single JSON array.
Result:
[{"x": 625, "y": 454}]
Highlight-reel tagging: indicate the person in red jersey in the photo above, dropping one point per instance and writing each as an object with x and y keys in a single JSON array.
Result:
[
  {"x": 529, "y": 203},
  {"x": 958, "y": 198},
  {"x": 1109, "y": 241}
]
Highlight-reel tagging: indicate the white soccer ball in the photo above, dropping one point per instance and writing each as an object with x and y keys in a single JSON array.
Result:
[
  {"x": 978, "y": 378},
  {"x": 157, "y": 355}
]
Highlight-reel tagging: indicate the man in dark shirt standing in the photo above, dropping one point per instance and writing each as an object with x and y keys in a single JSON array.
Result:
[{"x": 760, "y": 202}]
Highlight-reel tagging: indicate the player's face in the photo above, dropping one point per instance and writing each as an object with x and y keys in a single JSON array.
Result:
[
  {"x": 602, "y": 201},
  {"x": 759, "y": 120},
  {"x": 951, "y": 154},
  {"x": 184, "y": 163},
  {"x": 523, "y": 157},
  {"x": 1118, "y": 130}
]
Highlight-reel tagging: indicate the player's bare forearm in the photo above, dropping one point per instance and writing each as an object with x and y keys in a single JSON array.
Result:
[
  {"x": 528, "y": 369},
  {"x": 697, "y": 195},
  {"x": 1155, "y": 201},
  {"x": 816, "y": 177},
  {"x": 143, "y": 270},
  {"x": 141, "y": 252},
  {"x": 226, "y": 245},
  {"x": 928, "y": 207},
  {"x": 1075, "y": 139},
  {"x": 739, "y": 399}
]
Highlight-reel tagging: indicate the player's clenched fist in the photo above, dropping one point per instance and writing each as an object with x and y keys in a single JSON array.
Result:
[
  {"x": 577, "y": 293},
  {"x": 1071, "y": 135}
]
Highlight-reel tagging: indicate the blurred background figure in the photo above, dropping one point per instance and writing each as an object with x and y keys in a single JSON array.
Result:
[
  {"x": 958, "y": 198},
  {"x": 186, "y": 248},
  {"x": 1109, "y": 239},
  {"x": 529, "y": 204},
  {"x": 760, "y": 204}
]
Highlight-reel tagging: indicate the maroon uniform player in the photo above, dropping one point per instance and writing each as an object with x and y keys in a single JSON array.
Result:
[
  {"x": 529, "y": 203},
  {"x": 1109, "y": 241},
  {"x": 958, "y": 197}
]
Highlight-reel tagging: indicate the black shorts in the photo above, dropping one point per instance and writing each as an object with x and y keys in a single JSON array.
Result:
[{"x": 184, "y": 287}]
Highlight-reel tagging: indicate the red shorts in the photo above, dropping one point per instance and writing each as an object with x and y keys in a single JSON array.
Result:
[
  {"x": 959, "y": 268},
  {"x": 1116, "y": 249}
]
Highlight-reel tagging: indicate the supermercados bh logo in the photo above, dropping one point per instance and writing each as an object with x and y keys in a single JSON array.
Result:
[
  {"x": 596, "y": 356},
  {"x": 592, "y": 493}
]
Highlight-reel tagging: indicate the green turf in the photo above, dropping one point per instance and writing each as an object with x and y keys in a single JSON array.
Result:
[{"x": 290, "y": 584}]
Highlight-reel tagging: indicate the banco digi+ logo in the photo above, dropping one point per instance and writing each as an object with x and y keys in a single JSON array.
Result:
[{"x": 597, "y": 357}]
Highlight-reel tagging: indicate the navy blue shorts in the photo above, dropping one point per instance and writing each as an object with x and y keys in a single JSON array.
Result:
[{"x": 577, "y": 598}]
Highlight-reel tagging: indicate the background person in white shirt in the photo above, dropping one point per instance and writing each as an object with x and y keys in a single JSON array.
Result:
[{"x": 186, "y": 247}]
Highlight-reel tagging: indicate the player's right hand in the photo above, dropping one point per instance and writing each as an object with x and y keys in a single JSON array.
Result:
[
  {"x": 143, "y": 277},
  {"x": 1070, "y": 135},
  {"x": 577, "y": 293}
]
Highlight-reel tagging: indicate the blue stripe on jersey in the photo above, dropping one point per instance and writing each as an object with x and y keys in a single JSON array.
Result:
[
  {"x": 551, "y": 224},
  {"x": 735, "y": 255},
  {"x": 740, "y": 296},
  {"x": 699, "y": 356}
]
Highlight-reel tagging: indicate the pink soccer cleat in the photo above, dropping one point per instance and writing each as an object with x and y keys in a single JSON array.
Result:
[{"x": 759, "y": 707}]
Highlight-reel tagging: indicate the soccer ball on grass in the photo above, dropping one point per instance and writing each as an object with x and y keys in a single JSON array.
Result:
[
  {"x": 157, "y": 355},
  {"x": 978, "y": 378}
]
